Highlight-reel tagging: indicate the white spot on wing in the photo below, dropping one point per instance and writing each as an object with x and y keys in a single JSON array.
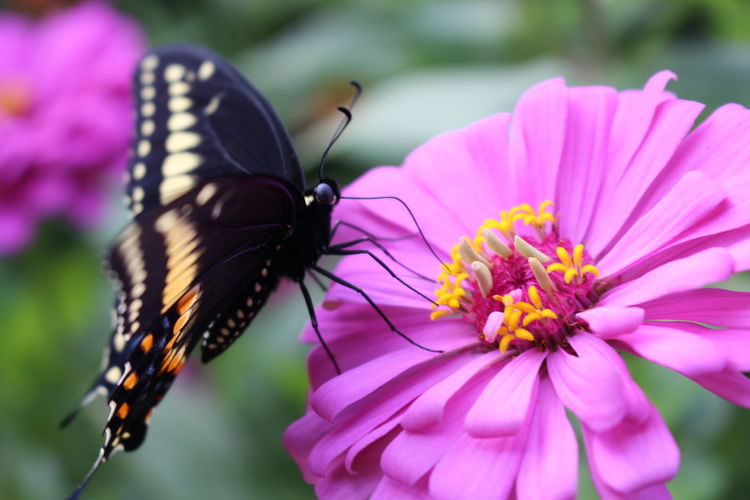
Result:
[
  {"x": 148, "y": 92},
  {"x": 174, "y": 72},
  {"x": 213, "y": 104},
  {"x": 150, "y": 62},
  {"x": 179, "y": 88},
  {"x": 147, "y": 78},
  {"x": 113, "y": 375},
  {"x": 139, "y": 171},
  {"x": 147, "y": 127},
  {"x": 138, "y": 193},
  {"x": 206, "y": 193},
  {"x": 206, "y": 70},
  {"x": 173, "y": 187},
  {"x": 180, "y": 103},
  {"x": 181, "y": 121},
  {"x": 181, "y": 141},
  {"x": 144, "y": 148},
  {"x": 180, "y": 163},
  {"x": 148, "y": 109}
]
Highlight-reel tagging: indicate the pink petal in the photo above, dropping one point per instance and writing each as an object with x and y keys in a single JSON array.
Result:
[
  {"x": 340, "y": 484},
  {"x": 503, "y": 406},
  {"x": 595, "y": 384},
  {"x": 709, "y": 266},
  {"x": 584, "y": 159},
  {"x": 426, "y": 183},
  {"x": 428, "y": 408},
  {"x": 621, "y": 193},
  {"x": 735, "y": 344},
  {"x": 350, "y": 350},
  {"x": 351, "y": 386},
  {"x": 537, "y": 135},
  {"x": 477, "y": 468},
  {"x": 712, "y": 306},
  {"x": 301, "y": 436},
  {"x": 607, "y": 322},
  {"x": 551, "y": 451},
  {"x": 676, "y": 349},
  {"x": 368, "y": 439},
  {"x": 729, "y": 384},
  {"x": 373, "y": 409},
  {"x": 631, "y": 456},
  {"x": 383, "y": 289},
  {"x": 411, "y": 455},
  {"x": 714, "y": 147},
  {"x": 388, "y": 489},
  {"x": 693, "y": 197}
]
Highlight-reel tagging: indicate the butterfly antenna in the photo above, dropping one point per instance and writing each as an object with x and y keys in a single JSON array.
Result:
[
  {"x": 411, "y": 214},
  {"x": 347, "y": 112}
]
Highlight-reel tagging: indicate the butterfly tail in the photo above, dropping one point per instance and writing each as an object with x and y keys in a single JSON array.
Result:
[{"x": 77, "y": 493}]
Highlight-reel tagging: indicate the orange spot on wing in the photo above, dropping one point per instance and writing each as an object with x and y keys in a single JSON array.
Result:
[
  {"x": 130, "y": 381},
  {"x": 180, "y": 323},
  {"x": 187, "y": 301},
  {"x": 123, "y": 411},
  {"x": 147, "y": 343}
]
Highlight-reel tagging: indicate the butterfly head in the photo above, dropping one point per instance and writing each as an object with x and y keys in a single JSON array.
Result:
[{"x": 327, "y": 192}]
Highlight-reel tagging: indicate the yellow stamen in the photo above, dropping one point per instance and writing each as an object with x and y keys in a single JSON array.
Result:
[
  {"x": 578, "y": 255},
  {"x": 440, "y": 313},
  {"x": 505, "y": 342}
]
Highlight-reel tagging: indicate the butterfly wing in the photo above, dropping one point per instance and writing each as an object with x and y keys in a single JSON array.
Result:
[
  {"x": 199, "y": 119},
  {"x": 179, "y": 268}
]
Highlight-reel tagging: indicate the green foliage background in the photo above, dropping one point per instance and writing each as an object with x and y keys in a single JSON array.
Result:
[{"x": 426, "y": 67}]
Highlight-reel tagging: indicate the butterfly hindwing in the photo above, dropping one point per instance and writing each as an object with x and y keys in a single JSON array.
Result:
[
  {"x": 211, "y": 250},
  {"x": 199, "y": 119}
]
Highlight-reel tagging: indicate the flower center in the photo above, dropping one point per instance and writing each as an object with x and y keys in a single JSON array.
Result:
[
  {"x": 15, "y": 97},
  {"x": 519, "y": 291}
]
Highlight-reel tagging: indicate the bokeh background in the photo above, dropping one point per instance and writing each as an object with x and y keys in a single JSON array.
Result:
[{"x": 426, "y": 67}]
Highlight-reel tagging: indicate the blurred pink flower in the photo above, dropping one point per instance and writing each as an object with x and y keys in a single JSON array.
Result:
[
  {"x": 531, "y": 327},
  {"x": 65, "y": 114}
]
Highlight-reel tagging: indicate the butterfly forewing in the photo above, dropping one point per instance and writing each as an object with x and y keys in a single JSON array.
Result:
[{"x": 199, "y": 119}]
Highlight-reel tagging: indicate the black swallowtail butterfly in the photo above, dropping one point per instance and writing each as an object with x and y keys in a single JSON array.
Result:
[{"x": 219, "y": 215}]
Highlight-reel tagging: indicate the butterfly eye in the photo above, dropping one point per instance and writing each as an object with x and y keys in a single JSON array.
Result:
[{"x": 325, "y": 194}]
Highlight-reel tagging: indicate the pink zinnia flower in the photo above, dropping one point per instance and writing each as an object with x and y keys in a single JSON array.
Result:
[
  {"x": 589, "y": 222},
  {"x": 65, "y": 114}
]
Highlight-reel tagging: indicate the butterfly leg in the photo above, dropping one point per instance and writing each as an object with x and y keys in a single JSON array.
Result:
[
  {"x": 374, "y": 241},
  {"x": 372, "y": 303},
  {"x": 341, "y": 250},
  {"x": 314, "y": 323}
]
